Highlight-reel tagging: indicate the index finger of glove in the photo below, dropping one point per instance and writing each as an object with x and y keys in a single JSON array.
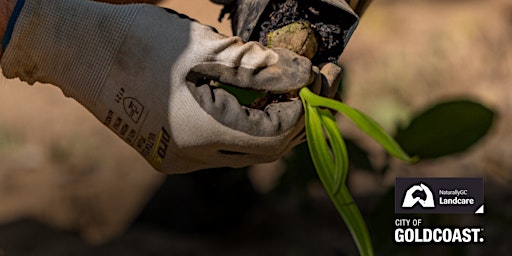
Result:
[{"x": 256, "y": 68}]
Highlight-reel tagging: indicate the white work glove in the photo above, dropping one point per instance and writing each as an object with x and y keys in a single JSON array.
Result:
[{"x": 140, "y": 70}]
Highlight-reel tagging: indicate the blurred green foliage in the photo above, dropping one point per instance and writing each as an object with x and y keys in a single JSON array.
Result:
[{"x": 446, "y": 128}]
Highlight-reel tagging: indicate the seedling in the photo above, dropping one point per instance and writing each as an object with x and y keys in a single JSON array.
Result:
[
  {"x": 298, "y": 26},
  {"x": 331, "y": 159},
  {"x": 330, "y": 156}
]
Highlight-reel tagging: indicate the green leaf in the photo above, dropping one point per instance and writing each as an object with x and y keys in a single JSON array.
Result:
[
  {"x": 318, "y": 147},
  {"x": 332, "y": 167},
  {"x": 446, "y": 128},
  {"x": 364, "y": 122},
  {"x": 338, "y": 147},
  {"x": 354, "y": 220},
  {"x": 331, "y": 161}
]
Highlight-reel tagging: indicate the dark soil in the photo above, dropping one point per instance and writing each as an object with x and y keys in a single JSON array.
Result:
[{"x": 329, "y": 35}]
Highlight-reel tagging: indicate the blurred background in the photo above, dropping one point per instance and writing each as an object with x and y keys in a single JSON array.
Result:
[{"x": 68, "y": 186}]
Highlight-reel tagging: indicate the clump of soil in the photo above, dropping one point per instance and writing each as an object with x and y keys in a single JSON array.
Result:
[
  {"x": 297, "y": 37},
  {"x": 329, "y": 35}
]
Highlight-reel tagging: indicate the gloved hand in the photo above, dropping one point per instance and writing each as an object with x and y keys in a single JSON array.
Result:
[{"x": 144, "y": 73}]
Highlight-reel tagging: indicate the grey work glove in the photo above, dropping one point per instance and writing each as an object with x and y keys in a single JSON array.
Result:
[{"x": 143, "y": 72}]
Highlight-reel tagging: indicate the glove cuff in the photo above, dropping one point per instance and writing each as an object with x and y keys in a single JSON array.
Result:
[{"x": 67, "y": 43}]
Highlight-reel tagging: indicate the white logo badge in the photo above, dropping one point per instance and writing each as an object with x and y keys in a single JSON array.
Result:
[{"x": 410, "y": 201}]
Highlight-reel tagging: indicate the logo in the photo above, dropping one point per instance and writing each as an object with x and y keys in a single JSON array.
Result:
[
  {"x": 410, "y": 200},
  {"x": 439, "y": 195},
  {"x": 160, "y": 150},
  {"x": 415, "y": 233},
  {"x": 133, "y": 108}
]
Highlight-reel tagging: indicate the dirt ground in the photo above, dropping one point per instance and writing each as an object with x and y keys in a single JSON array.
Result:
[{"x": 70, "y": 187}]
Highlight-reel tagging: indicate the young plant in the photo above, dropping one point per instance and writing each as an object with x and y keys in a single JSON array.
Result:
[
  {"x": 329, "y": 156},
  {"x": 331, "y": 159}
]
